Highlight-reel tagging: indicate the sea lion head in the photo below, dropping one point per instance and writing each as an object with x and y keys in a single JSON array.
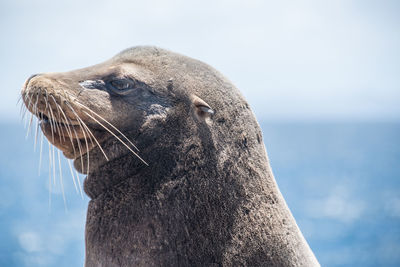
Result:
[{"x": 146, "y": 99}]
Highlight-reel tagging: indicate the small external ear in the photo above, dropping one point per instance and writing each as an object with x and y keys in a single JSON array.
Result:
[{"x": 202, "y": 109}]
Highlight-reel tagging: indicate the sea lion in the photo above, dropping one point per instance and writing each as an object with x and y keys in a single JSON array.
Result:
[{"x": 198, "y": 191}]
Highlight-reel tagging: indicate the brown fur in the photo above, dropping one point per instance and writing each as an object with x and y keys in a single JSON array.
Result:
[{"x": 208, "y": 196}]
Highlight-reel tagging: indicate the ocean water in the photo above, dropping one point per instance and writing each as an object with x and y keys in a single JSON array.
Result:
[
  {"x": 342, "y": 183},
  {"x": 340, "y": 180}
]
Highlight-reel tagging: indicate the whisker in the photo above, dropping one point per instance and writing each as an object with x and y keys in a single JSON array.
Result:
[
  {"x": 46, "y": 98},
  {"x": 66, "y": 120},
  {"x": 89, "y": 131},
  {"x": 58, "y": 123},
  {"x": 84, "y": 135},
  {"x": 61, "y": 181},
  {"x": 37, "y": 122},
  {"x": 31, "y": 118},
  {"x": 35, "y": 106},
  {"x": 29, "y": 126},
  {"x": 22, "y": 108},
  {"x": 54, "y": 121},
  {"x": 25, "y": 108},
  {"x": 54, "y": 166},
  {"x": 79, "y": 184},
  {"x": 95, "y": 139},
  {"x": 84, "y": 129},
  {"x": 68, "y": 128},
  {"x": 19, "y": 99},
  {"x": 112, "y": 126},
  {"x": 50, "y": 165},
  {"x": 87, "y": 152},
  {"x": 119, "y": 139},
  {"x": 59, "y": 118},
  {"x": 51, "y": 126},
  {"x": 73, "y": 176},
  {"x": 41, "y": 149},
  {"x": 79, "y": 147},
  {"x": 36, "y": 135},
  {"x": 48, "y": 108},
  {"x": 29, "y": 97},
  {"x": 90, "y": 134}
]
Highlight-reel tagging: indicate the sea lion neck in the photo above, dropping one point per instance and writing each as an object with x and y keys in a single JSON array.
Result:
[{"x": 112, "y": 173}]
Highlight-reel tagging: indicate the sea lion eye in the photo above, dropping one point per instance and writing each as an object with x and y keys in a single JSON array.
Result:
[{"x": 122, "y": 84}]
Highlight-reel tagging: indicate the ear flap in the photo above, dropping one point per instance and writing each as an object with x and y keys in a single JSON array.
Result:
[{"x": 202, "y": 109}]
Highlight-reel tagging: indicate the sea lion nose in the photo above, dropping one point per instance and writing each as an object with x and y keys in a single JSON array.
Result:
[
  {"x": 39, "y": 83},
  {"x": 25, "y": 87},
  {"x": 32, "y": 76}
]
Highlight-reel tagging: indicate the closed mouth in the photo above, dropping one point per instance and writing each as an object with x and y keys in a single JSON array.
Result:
[{"x": 65, "y": 129}]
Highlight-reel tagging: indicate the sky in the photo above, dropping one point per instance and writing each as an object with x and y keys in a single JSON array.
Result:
[
  {"x": 334, "y": 63},
  {"x": 293, "y": 60}
]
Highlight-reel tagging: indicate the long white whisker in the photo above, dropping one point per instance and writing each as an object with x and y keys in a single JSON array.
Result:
[
  {"x": 31, "y": 118},
  {"x": 84, "y": 135},
  {"x": 36, "y": 134},
  {"x": 73, "y": 176},
  {"x": 79, "y": 146},
  {"x": 66, "y": 120},
  {"x": 34, "y": 112},
  {"x": 95, "y": 139},
  {"x": 22, "y": 109},
  {"x": 51, "y": 125},
  {"x": 86, "y": 142},
  {"x": 119, "y": 139},
  {"x": 41, "y": 149},
  {"x": 61, "y": 180},
  {"x": 82, "y": 123},
  {"x": 27, "y": 108},
  {"x": 79, "y": 184},
  {"x": 54, "y": 166},
  {"x": 59, "y": 118},
  {"x": 68, "y": 128},
  {"x": 29, "y": 126},
  {"x": 50, "y": 167},
  {"x": 59, "y": 123},
  {"x": 112, "y": 126},
  {"x": 54, "y": 121},
  {"x": 87, "y": 152}
]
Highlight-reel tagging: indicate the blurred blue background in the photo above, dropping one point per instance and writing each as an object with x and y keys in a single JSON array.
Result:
[{"x": 321, "y": 77}]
